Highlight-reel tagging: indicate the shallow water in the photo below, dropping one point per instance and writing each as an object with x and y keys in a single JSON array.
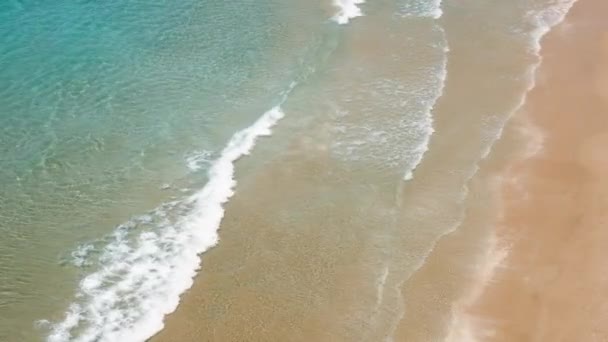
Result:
[
  {"x": 103, "y": 106},
  {"x": 120, "y": 129}
]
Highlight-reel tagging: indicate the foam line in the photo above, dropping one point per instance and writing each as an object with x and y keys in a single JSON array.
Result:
[
  {"x": 347, "y": 10},
  {"x": 152, "y": 259}
]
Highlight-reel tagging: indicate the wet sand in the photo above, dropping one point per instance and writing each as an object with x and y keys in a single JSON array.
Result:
[{"x": 552, "y": 285}]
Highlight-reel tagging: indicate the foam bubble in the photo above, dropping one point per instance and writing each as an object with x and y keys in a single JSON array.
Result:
[
  {"x": 429, "y": 9},
  {"x": 199, "y": 160},
  {"x": 347, "y": 10},
  {"x": 380, "y": 284},
  {"x": 80, "y": 256},
  {"x": 152, "y": 259}
]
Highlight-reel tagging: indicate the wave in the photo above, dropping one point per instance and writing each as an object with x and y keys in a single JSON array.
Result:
[
  {"x": 152, "y": 259},
  {"x": 347, "y": 10},
  {"x": 423, "y": 147},
  {"x": 546, "y": 18}
]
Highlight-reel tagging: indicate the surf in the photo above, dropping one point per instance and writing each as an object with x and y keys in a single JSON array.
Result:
[
  {"x": 152, "y": 259},
  {"x": 347, "y": 10}
]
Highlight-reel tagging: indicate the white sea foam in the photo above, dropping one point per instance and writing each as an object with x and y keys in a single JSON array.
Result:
[
  {"x": 153, "y": 258},
  {"x": 81, "y": 254},
  {"x": 399, "y": 138},
  {"x": 546, "y": 18},
  {"x": 437, "y": 12},
  {"x": 421, "y": 8},
  {"x": 380, "y": 284},
  {"x": 347, "y": 10},
  {"x": 199, "y": 160}
]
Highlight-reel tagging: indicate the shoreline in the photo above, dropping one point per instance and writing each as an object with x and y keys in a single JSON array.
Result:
[
  {"x": 449, "y": 267},
  {"x": 323, "y": 239},
  {"x": 550, "y": 200}
]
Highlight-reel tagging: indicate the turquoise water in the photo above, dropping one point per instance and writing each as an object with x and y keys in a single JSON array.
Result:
[{"x": 108, "y": 109}]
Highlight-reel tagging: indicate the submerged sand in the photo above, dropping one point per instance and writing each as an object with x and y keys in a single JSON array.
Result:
[{"x": 552, "y": 286}]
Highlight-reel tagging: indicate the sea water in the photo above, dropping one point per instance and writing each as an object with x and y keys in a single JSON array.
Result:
[{"x": 121, "y": 124}]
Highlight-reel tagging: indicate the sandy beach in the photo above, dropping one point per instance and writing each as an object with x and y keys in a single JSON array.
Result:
[{"x": 552, "y": 285}]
